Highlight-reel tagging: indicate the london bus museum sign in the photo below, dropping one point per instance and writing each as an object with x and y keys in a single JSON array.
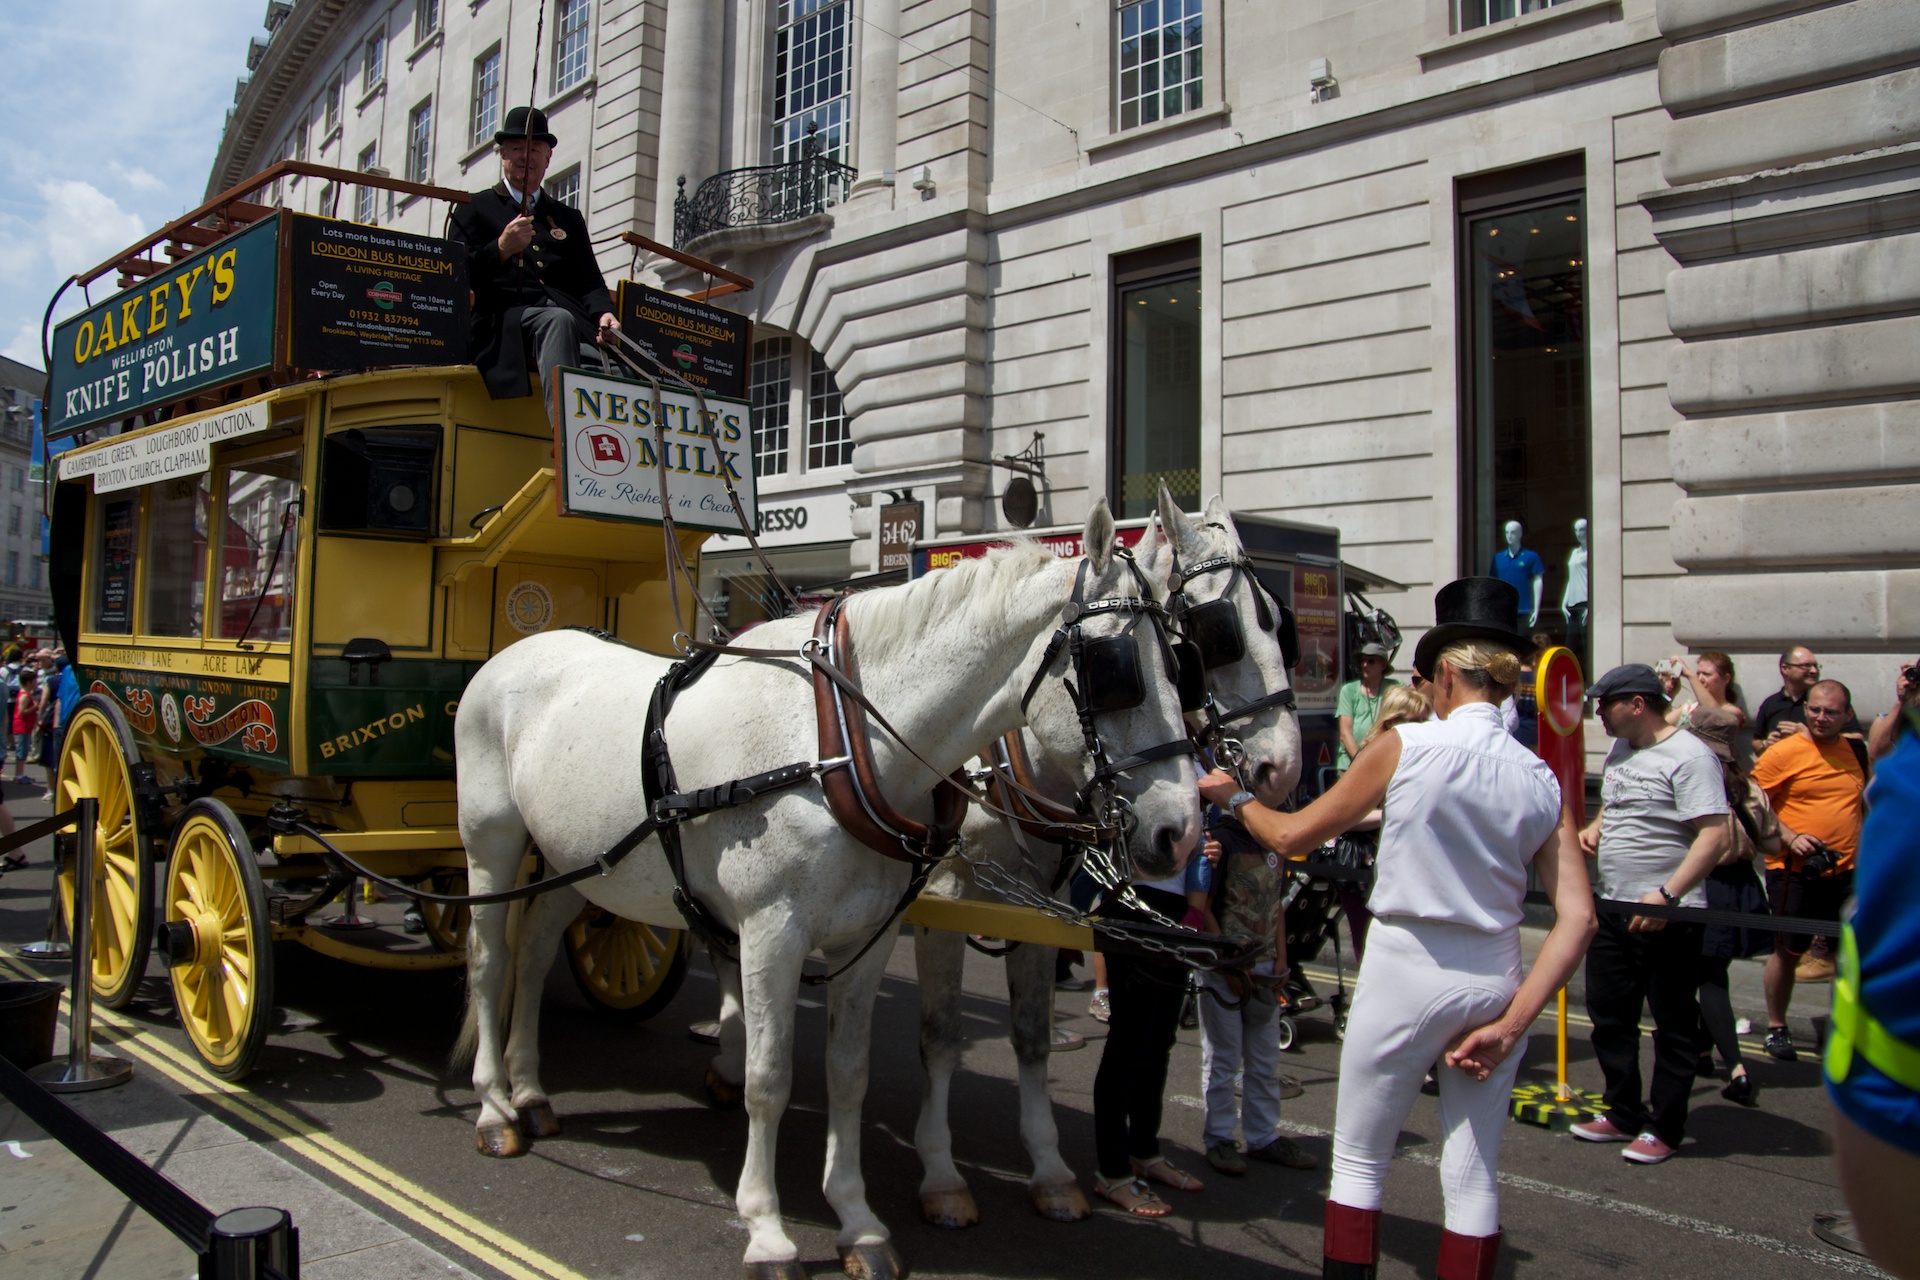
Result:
[
  {"x": 611, "y": 446},
  {"x": 205, "y": 321}
]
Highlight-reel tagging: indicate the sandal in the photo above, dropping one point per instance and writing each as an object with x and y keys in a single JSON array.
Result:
[
  {"x": 1133, "y": 1196},
  {"x": 1167, "y": 1175}
]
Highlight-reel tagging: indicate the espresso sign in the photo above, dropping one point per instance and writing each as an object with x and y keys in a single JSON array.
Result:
[
  {"x": 615, "y": 441},
  {"x": 203, "y": 322},
  {"x": 363, "y": 297},
  {"x": 704, "y": 345}
]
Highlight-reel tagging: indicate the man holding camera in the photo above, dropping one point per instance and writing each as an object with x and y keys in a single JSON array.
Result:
[{"x": 1817, "y": 783}]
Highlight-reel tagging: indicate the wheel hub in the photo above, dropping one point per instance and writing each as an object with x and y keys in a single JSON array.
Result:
[{"x": 206, "y": 939}]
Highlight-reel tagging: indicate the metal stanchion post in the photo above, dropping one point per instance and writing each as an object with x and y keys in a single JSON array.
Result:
[
  {"x": 50, "y": 948},
  {"x": 252, "y": 1244},
  {"x": 84, "y": 1069}
]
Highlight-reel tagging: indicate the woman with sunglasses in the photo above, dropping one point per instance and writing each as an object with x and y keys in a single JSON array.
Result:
[{"x": 1466, "y": 812}]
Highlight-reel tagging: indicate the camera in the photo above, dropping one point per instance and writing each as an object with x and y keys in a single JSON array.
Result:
[
  {"x": 1818, "y": 863},
  {"x": 1668, "y": 668}
]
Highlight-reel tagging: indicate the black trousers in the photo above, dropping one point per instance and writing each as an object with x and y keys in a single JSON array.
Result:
[
  {"x": 1660, "y": 971},
  {"x": 1144, "y": 998}
]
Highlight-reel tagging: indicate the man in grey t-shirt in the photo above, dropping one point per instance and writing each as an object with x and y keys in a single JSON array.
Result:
[{"x": 1660, "y": 830}]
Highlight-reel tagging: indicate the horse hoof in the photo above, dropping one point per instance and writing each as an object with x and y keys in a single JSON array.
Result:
[
  {"x": 723, "y": 1095},
  {"x": 951, "y": 1209},
  {"x": 788, "y": 1270},
  {"x": 1063, "y": 1202},
  {"x": 500, "y": 1141},
  {"x": 539, "y": 1120},
  {"x": 877, "y": 1261}
]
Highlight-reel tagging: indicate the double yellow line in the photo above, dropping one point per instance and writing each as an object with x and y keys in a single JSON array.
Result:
[{"x": 402, "y": 1197}]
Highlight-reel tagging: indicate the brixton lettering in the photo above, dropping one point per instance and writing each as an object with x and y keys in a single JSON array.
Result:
[{"x": 368, "y": 732}]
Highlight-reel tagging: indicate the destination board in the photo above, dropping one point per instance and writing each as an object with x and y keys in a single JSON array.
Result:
[
  {"x": 363, "y": 297},
  {"x": 704, "y": 345}
]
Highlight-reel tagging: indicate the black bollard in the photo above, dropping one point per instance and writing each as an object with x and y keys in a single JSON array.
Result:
[{"x": 252, "y": 1244}]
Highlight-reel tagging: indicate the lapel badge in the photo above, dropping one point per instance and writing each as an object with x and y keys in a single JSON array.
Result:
[{"x": 556, "y": 230}]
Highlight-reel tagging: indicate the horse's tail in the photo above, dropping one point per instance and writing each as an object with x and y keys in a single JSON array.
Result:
[{"x": 468, "y": 1041}]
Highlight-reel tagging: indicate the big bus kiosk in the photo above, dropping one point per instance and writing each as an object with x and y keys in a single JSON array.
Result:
[{"x": 275, "y": 582}]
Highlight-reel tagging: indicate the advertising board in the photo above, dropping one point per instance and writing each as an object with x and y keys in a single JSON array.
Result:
[
  {"x": 362, "y": 297},
  {"x": 206, "y": 321},
  {"x": 613, "y": 441},
  {"x": 705, "y": 345}
]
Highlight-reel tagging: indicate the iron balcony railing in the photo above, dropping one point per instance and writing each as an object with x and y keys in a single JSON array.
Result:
[{"x": 762, "y": 196}]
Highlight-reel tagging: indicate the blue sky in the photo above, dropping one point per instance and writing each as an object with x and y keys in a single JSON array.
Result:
[{"x": 112, "y": 111}]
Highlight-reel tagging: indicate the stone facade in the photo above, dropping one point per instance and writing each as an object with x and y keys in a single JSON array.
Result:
[
  {"x": 1790, "y": 198},
  {"x": 23, "y": 570}
]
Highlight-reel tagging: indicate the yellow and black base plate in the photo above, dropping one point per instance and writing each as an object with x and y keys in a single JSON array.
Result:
[{"x": 1541, "y": 1104}]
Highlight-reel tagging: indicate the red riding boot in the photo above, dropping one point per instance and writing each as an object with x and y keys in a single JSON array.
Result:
[
  {"x": 1467, "y": 1257},
  {"x": 1350, "y": 1243}
]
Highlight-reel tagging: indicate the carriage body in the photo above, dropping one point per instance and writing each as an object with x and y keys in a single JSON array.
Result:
[{"x": 273, "y": 602}]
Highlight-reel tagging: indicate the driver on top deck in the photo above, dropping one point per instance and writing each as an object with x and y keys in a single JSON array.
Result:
[{"x": 538, "y": 291}]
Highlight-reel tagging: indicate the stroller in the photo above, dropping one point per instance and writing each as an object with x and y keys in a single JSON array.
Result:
[{"x": 1331, "y": 882}]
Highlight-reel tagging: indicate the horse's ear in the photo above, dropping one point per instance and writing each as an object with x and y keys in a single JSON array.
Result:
[
  {"x": 1217, "y": 513},
  {"x": 1147, "y": 550},
  {"x": 1180, "y": 530},
  {"x": 1097, "y": 537}
]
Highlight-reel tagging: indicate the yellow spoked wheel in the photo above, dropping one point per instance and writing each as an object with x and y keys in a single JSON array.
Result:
[
  {"x": 97, "y": 758},
  {"x": 447, "y": 923},
  {"x": 625, "y": 969},
  {"x": 218, "y": 944}
]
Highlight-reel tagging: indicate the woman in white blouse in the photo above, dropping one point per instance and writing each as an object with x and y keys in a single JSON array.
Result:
[{"x": 1467, "y": 812}]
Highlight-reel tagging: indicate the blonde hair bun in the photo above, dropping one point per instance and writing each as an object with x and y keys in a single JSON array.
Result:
[
  {"x": 1483, "y": 664},
  {"x": 1504, "y": 668}
]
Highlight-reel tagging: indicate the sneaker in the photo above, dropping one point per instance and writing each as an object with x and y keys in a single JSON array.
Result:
[
  {"x": 1073, "y": 983},
  {"x": 1600, "y": 1129},
  {"x": 413, "y": 922},
  {"x": 704, "y": 1032},
  {"x": 1741, "y": 1089},
  {"x": 1098, "y": 1008},
  {"x": 1647, "y": 1149},
  {"x": 1285, "y": 1152},
  {"x": 1226, "y": 1157},
  {"x": 1290, "y": 1087},
  {"x": 1065, "y": 1041},
  {"x": 47, "y": 796},
  {"x": 1780, "y": 1045},
  {"x": 1813, "y": 968}
]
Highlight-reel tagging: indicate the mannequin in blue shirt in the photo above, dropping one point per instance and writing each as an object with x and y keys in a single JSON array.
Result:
[{"x": 1525, "y": 570}]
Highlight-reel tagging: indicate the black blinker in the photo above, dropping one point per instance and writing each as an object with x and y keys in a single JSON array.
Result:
[
  {"x": 1110, "y": 675},
  {"x": 1289, "y": 637},
  {"x": 1191, "y": 675},
  {"x": 1214, "y": 628}
]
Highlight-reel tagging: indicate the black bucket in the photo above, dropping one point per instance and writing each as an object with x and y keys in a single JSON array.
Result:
[{"x": 28, "y": 1014}]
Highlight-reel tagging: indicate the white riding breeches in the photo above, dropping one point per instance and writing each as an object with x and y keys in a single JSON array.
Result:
[{"x": 1423, "y": 984}]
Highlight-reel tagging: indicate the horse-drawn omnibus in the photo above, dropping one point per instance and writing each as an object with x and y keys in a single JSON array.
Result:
[{"x": 275, "y": 587}]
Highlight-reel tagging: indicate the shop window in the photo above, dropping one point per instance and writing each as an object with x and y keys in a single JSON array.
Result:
[
  {"x": 769, "y": 391},
  {"x": 1156, "y": 435},
  {"x": 258, "y": 544},
  {"x": 116, "y": 524},
  {"x": 176, "y": 559},
  {"x": 1527, "y": 440},
  {"x": 1157, "y": 60}
]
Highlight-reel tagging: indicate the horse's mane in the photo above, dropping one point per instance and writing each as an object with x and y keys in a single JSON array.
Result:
[{"x": 985, "y": 585}]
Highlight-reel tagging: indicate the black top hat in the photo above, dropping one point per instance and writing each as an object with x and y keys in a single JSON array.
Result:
[
  {"x": 526, "y": 122},
  {"x": 1471, "y": 609}
]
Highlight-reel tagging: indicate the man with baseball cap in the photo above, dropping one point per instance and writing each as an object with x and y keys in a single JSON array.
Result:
[
  {"x": 538, "y": 291},
  {"x": 1661, "y": 829}
]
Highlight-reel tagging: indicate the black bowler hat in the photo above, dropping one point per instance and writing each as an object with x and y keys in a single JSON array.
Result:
[
  {"x": 526, "y": 122},
  {"x": 1471, "y": 609}
]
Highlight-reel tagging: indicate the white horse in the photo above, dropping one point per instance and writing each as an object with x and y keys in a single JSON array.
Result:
[
  {"x": 1272, "y": 742},
  {"x": 549, "y": 738}
]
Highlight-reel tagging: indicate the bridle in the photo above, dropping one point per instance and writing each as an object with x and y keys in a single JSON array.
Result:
[
  {"x": 1106, "y": 679},
  {"x": 1213, "y": 633}
]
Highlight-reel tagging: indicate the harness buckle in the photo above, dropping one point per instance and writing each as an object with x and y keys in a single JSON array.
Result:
[{"x": 683, "y": 644}]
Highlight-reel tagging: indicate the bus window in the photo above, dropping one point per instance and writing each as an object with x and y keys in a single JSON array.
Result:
[
  {"x": 380, "y": 479},
  {"x": 176, "y": 559},
  {"x": 259, "y": 541},
  {"x": 113, "y": 567}
]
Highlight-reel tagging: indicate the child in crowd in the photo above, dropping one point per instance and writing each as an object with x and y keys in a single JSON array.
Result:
[{"x": 26, "y": 720}]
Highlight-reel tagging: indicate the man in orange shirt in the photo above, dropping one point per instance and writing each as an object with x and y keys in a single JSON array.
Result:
[{"x": 1817, "y": 784}]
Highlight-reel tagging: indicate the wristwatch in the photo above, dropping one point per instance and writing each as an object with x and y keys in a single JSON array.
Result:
[
  {"x": 1672, "y": 901},
  {"x": 1237, "y": 799}
]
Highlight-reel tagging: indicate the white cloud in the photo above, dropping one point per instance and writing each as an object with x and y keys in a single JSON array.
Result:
[
  {"x": 25, "y": 346},
  {"x": 83, "y": 225},
  {"x": 137, "y": 179}
]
